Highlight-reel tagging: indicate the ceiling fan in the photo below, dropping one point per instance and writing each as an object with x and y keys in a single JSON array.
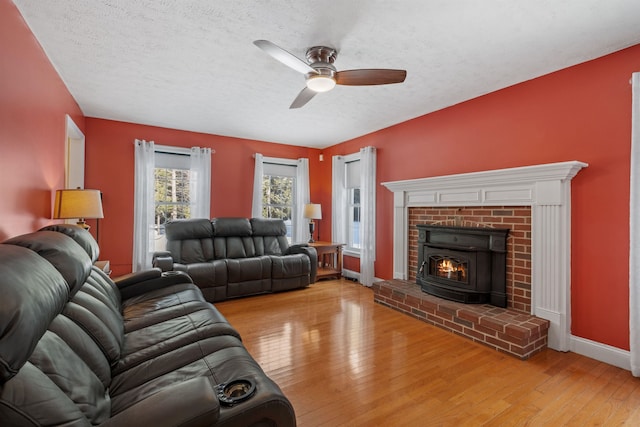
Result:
[{"x": 322, "y": 76}]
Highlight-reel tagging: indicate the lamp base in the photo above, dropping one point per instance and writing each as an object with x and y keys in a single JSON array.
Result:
[
  {"x": 312, "y": 227},
  {"x": 83, "y": 224}
]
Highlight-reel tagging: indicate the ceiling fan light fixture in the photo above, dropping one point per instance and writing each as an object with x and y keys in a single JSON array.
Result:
[{"x": 321, "y": 83}]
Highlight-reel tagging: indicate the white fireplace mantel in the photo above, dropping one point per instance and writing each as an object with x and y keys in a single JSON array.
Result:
[{"x": 546, "y": 188}]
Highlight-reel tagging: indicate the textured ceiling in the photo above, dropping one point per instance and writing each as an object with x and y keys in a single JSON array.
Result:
[{"x": 192, "y": 65}]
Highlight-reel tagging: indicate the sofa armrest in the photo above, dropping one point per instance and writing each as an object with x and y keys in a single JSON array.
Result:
[
  {"x": 191, "y": 403},
  {"x": 162, "y": 260},
  {"x": 140, "y": 282},
  {"x": 310, "y": 251}
]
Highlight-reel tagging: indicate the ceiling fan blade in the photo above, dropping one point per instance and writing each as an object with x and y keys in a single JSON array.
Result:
[
  {"x": 303, "y": 97},
  {"x": 366, "y": 77},
  {"x": 285, "y": 57}
]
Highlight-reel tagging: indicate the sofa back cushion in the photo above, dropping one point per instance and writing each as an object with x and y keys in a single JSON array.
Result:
[
  {"x": 232, "y": 238},
  {"x": 71, "y": 260},
  {"x": 33, "y": 293},
  {"x": 70, "y": 359},
  {"x": 93, "y": 300},
  {"x": 81, "y": 236},
  {"x": 190, "y": 240},
  {"x": 269, "y": 236}
]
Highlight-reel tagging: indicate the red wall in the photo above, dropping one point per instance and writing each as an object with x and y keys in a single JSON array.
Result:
[
  {"x": 580, "y": 113},
  {"x": 110, "y": 168},
  {"x": 33, "y": 105}
]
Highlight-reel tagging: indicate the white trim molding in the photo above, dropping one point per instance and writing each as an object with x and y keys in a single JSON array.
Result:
[
  {"x": 602, "y": 352},
  {"x": 546, "y": 188}
]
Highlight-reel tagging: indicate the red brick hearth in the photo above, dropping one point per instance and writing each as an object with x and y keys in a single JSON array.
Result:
[{"x": 506, "y": 330}]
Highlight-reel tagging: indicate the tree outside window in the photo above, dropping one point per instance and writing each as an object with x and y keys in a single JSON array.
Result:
[
  {"x": 172, "y": 200},
  {"x": 277, "y": 199}
]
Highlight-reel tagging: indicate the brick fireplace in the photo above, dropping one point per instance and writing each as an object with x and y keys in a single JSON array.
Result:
[
  {"x": 495, "y": 195},
  {"x": 512, "y": 330},
  {"x": 515, "y": 218}
]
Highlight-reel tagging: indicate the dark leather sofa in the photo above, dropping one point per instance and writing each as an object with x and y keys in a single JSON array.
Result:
[
  {"x": 235, "y": 257},
  {"x": 78, "y": 349}
]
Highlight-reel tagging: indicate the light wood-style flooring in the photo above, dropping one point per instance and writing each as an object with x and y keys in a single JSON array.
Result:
[{"x": 343, "y": 360}]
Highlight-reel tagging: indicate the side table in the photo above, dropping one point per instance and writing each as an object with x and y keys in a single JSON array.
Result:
[{"x": 329, "y": 259}]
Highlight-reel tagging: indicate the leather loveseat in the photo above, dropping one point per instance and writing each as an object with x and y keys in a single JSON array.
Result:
[
  {"x": 78, "y": 349},
  {"x": 235, "y": 257}
]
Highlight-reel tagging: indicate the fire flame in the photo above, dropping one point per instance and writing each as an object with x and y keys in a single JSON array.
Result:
[{"x": 448, "y": 269}]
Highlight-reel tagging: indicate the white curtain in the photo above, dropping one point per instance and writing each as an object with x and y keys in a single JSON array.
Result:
[
  {"x": 634, "y": 250},
  {"x": 368, "y": 215},
  {"x": 339, "y": 205},
  {"x": 256, "y": 205},
  {"x": 300, "y": 232},
  {"x": 143, "y": 204},
  {"x": 200, "y": 182}
]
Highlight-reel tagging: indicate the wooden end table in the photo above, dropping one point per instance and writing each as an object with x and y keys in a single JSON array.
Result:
[{"x": 329, "y": 259}]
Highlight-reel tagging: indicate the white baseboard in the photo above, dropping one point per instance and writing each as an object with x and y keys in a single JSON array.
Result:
[
  {"x": 355, "y": 276},
  {"x": 350, "y": 274},
  {"x": 602, "y": 352}
]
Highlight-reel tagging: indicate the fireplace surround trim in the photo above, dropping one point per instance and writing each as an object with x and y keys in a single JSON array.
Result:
[{"x": 546, "y": 188}]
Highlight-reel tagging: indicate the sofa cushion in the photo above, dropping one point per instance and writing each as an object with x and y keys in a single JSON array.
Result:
[
  {"x": 232, "y": 238},
  {"x": 190, "y": 240},
  {"x": 237, "y": 227},
  {"x": 268, "y": 227},
  {"x": 32, "y": 284},
  {"x": 289, "y": 272},
  {"x": 80, "y": 235},
  {"x": 248, "y": 276},
  {"x": 212, "y": 274},
  {"x": 270, "y": 245},
  {"x": 83, "y": 346},
  {"x": 189, "y": 251},
  {"x": 33, "y": 399},
  {"x": 269, "y": 236},
  {"x": 194, "y": 228},
  {"x": 62, "y": 252},
  {"x": 91, "y": 305},
  {"x": 233, "y": 247}
]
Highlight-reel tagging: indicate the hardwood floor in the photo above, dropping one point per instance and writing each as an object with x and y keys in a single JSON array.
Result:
[{"x": 344, "y": 360}]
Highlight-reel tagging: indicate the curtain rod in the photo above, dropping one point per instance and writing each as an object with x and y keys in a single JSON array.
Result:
[{"x": 170, "y": 149}]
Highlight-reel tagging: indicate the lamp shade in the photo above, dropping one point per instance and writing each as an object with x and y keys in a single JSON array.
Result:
[
  {"x": 312, "y": 211},
  {"x": 78, "y": 203}
]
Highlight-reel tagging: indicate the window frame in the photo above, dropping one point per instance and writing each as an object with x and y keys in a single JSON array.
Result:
[
  {"x": 348, "y": 248},
  {"x": 169, "y": 158},
  {"x": 350, "y": 221},
  {"x": 270, "y": 167}
]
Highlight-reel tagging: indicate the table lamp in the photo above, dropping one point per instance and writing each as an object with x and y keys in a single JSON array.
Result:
[
  {"x": 78, "y": 203},
  {"x": 312, "y": 211}
]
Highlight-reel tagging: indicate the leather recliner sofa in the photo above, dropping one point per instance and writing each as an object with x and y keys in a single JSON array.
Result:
[
  {"x": 235, "y": 257},
  {"x": 78, "y": 349}
]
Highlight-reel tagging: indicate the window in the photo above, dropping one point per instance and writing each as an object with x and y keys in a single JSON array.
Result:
[
  {"x": 281, "y": 188},
  {"x": 172, "y": 196},
  {"x": 353, "y": 219},
  {"x": 278, "y": 190},
  {"x": 170, "y": 182},
  {"x": 353, "y": 212}
]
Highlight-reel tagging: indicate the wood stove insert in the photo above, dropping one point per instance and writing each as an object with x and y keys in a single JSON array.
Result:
[{"x": 464, "y": 264}]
